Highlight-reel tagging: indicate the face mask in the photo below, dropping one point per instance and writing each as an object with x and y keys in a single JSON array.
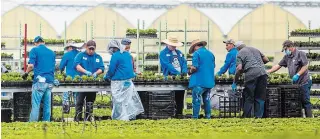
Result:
[{"x": 287, "y": 52}]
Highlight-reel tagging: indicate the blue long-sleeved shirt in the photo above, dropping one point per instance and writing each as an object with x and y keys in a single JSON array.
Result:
[
  {"x": 67, "y": 62},
  {"x": 204, "y": 61},
  {"x": 121, "y": 67},
  {"x": 166, "y": 59},
  {"x": 90, "y": 63},
  {"x": 230, "y": 62},
  {"x": 43, "y": 60}
]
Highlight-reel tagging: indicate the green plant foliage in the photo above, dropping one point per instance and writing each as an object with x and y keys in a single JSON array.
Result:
[
  {"x": 229, "y": 128},
  {"x": 271, "y": 58},
  {"x": 5, "y": 55},
  {"x": 314, "y": 67},
  {"x": 68, "y": 78},
  {"x": 84, "y": 78},
  {"x": 77, "y": 78}
]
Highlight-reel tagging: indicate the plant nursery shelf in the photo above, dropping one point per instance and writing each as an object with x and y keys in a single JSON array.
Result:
[
  {"x": 311, "y": 36},
  {"x": 308, "y": 48}
]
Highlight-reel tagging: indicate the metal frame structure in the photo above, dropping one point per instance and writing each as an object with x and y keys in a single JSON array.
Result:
[
  {"x": 309, "y": 49},
  {"x": 20, "y": 37},
  {"x": 199, "y": 4},
  {"x": 160, "y": 31}
]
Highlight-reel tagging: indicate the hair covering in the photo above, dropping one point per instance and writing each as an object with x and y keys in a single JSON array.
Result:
[
  {"x": 238, "y": 43},
  {"x": 126, "y": 41},
  {"x": 115, "y": 44}
]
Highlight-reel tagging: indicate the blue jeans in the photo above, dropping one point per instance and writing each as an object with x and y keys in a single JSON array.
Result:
[
  {"x": 65, "y": 98},
  {"x": 254, "y": 96},
  {"x": 39, "y": 91},
  {"x": 199, "y": 93},
  {"x": 305, "y": 89}
]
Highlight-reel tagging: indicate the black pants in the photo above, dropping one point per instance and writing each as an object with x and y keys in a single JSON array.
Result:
[
  {"x": 90, "y": 97},
  {"x": 179, "y": 98},
  {"x": 254, "y": 96}
]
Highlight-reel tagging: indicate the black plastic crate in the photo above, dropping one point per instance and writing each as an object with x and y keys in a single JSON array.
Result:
[
  {"x": 157, "y": 105},
  {"x": 6, "y": 114},
  {"x": 292, "y": 113},
  {"x": 273, "y": 103},
  {"x": 291, "y": 101},
  {"x": 6, "y": 103},
  {"x": 229, "y": 106},
  {"x": 22, "y": 106}
]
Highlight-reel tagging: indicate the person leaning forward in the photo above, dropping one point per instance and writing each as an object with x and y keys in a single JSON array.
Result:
[
  {"x": 91, "y": 64},
  {"x": 250, "y": 61},
  {"x": 297, "y": 63}
]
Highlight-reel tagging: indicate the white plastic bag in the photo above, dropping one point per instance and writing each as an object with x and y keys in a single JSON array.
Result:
[{"x": 126, "y": 101}]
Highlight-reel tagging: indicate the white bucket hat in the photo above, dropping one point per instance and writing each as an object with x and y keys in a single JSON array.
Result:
[{"x": 173, "y": 41}]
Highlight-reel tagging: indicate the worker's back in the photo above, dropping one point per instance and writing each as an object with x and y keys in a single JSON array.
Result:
[
  {"x": 44, "y": 62},
  {"x": 252, "y": 63}
]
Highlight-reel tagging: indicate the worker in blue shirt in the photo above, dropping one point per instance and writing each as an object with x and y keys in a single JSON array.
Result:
[
  {"x": 91, "y": 64},
  {"x": 125, "y": 100},
  {"x": 174, "y": 63},
  {"x": 67, "y": 65},
  {"x": 202, "y": 77},
  {"x": 230, "y": 62},
  {"x": 42, "y": 62}
]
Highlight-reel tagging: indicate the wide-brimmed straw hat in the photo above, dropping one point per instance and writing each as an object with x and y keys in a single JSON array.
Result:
[
  {"x": 172, "y": 41},
  {"x": 195, "y": 43}
]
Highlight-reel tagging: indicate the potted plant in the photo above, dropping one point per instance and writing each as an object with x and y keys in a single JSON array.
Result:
[
  {"x": 84, "y": 80},
  {"x": 76, "y": 80},
  {"x": 267, "y": 66},
  {"x": 271, "y": 58},
  {"x": 5, "y": 56},
  {"x": 131, "y": 33},
  {"x": 68, "y": 79},
  {"x": 151, "y": 33},
  {"x": 3, "y": 45}
]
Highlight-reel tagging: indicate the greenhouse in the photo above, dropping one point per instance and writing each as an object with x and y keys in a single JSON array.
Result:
[{"x": 160, "y": 69}]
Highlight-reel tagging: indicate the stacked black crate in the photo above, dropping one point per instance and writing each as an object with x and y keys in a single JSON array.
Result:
[
  {"x": 158, "y": 104},
  {"x": 21, "y": 106},
  {"x": 273, "y": 103},
  {"x": 230, "y": 106},
  {"x": 144, "y": 96},
  {"x": 6, "y": 110},
  {"x": 291, "y": 101}
]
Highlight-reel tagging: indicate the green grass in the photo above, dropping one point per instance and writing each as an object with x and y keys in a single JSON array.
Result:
[
  {"x": 315, "y": 100},
  {"x": 294, "y": 128}
]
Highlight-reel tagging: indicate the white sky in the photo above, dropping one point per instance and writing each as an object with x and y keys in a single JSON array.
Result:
[{"x": 57, "y": 17}]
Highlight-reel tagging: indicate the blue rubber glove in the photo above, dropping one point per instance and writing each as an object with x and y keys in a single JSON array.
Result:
[
  {"x": 234, "y": 87},
  {"x": 88, "y": 73},
  {"x": 295, "y": 77},
  {"x": 94, "y": 75},
  {"x": 56, "y": 82}
]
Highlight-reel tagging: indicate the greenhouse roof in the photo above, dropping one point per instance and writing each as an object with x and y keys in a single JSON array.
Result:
[{"x": 58, "y": 12}]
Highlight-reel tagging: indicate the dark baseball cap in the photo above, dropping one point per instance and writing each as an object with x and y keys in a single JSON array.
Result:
[
  {"x": 38, "y": 39},
  {"x": 287, "y": 44},
  {"x": 91, "y": 44}
]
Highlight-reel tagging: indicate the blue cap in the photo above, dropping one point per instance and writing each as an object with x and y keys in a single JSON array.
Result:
[
  {"x": 125, "y": 41},
  {"x": 38, "y": 39}
]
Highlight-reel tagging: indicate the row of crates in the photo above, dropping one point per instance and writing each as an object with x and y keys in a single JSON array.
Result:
[
  {"x": 158, "y": 105},
  {"x": 283, "y": 101}
]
